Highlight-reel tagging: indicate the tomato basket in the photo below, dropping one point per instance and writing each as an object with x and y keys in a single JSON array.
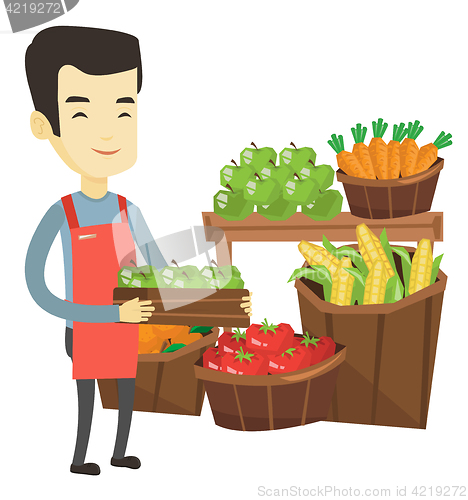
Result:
[
  {"x": 268, "y": 402},
  {"x": 391, "y": 198},
  {"x": 165, "y": 382},
  {"x": 387, "y": 375}
]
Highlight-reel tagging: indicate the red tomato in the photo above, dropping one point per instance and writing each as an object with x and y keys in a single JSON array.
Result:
[
  {"x": 269, "y": 339},
  {"x": 321, "y": 348},
  {"x": 327, "y": 346},
  {"x": 212, "y": 359},
  {"x": 231, "y": 341},
  {"x": 306, "y": 352},
  {"x": 295, "y": 358},
  {"x": 245, "y": 363}
]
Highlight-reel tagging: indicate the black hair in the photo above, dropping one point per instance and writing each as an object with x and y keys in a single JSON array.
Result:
[{"x": 91, "y": 50}]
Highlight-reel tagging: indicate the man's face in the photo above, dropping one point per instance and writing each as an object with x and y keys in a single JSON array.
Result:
[{"x": 98, "y": 121}]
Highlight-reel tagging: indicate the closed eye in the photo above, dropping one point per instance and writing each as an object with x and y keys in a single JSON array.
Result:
[
  {"x": 76, "y": 115},
  {"x": 124, "y": 114}
]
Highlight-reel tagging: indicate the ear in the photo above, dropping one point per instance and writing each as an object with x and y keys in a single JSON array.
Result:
[{"x": 40, "y": 126}]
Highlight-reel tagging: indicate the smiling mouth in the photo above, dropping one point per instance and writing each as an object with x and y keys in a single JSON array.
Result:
[{"x": 107, "y": 153}]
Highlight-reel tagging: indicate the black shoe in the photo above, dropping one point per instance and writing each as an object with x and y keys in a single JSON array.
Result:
[
  {"x": 130, "y": 462},
  {"x": 90, "y": 469}
]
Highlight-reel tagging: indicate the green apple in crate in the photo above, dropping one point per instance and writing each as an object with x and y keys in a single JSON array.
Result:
[
  {"x": 231, "y": 205},
  {"x": 231, "y": 283},
  {"x": 327, "y": 205},
  {"x": 124, "y": 276},
  {"x": 223, "y": 272},
  {"x": 261, "y": 191},
  {"x": 257, "y": 158},
  {"x": 301, "y": 191},
  {"x": 296, "y": 158},
  {"x": 226, "y": 272},
  {"x": 208, "y": 273},
  {"x": 235, "y": 176},
  {"x": 169, "y": 274},
  {"x": 184, "y": 281},
  {"x": 323, "y": 174},
  {"x": 141, "y": 280},
  {"x": 280, "y": 209}
]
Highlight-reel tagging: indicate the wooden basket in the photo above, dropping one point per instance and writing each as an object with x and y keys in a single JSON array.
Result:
[
  {"x": 392, "y": 198},
  {"x": 267, "y": 402},
  {"x": 165, "y": 382},
  {"x": 387, "y": 376}
]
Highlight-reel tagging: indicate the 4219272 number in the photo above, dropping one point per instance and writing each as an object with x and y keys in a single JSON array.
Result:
[
  {"x": 34, "y": 8},
  {"x": 439, "y": 491}
]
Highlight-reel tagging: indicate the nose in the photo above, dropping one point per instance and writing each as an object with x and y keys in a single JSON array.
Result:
[{"x": 107, "y": 138}]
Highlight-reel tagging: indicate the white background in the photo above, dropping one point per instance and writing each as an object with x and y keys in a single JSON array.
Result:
[{"x": 218, "y": 75}]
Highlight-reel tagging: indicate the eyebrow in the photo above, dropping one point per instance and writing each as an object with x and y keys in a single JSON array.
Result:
[
  {"x": 125, "y": 100},
  {"x": 75, "y": 98}
]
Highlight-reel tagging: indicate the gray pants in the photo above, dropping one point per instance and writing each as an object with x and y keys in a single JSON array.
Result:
[{"x": 85, "y": 387}]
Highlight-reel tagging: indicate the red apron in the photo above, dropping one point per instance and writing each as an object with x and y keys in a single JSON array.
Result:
[{"x": 101, "y": 350}]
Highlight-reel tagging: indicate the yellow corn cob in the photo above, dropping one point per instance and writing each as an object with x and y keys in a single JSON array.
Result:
[
  {"x": 317, "y": 255},
  {"x": 371, "y": 249},
  {"x": 346, "y": 262},
  {"x": 376, "y": 283},
  {"x": 342, "y": 284},
  {"x": 421, "y": 267}
]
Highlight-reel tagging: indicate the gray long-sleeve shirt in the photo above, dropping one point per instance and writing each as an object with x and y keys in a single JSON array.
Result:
[{"x": 90, "y": 212}]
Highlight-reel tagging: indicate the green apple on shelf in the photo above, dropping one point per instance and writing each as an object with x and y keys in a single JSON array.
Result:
[
  {"x": 277, "y": 173},
  {"x": 257, "y": 158},
  {"x": 236, "y": 176},
  {"x": 323, "y": 174},
  {"x": 296, "y": 158},
  {"x": 231, "y": 205},
  {"x": 327, "y": 205},
  {"x": 280, "y": 209},
  {"x": 301, "y": 191},
  {"x": 261, "y": 191}
]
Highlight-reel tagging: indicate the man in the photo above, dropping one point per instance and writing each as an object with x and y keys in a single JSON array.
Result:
[{"x": 84, "y": 83}]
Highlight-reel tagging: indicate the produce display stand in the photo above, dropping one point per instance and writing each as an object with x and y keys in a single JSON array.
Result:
[
  {"x": 387, "y": 374},
  {"x": 255, "y": 228}
]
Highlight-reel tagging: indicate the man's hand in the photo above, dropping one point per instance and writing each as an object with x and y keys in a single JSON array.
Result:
[
  {"x": 135, "y": 311},
  {"x": 247, "y": 306}
]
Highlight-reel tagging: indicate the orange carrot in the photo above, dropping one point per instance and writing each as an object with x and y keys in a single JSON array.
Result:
[
  {"x": 409, "y": 150},
  {"x": 361, "y": 151},
  {"x": 428, "y": 153},
  {"x": 393, "y": 151},
  {"x": 378, "y": 150},
  {"x": 346, "y": 161}
]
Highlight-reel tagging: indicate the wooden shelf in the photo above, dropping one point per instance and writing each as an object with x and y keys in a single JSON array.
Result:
[{"x": 300, "y": 227}]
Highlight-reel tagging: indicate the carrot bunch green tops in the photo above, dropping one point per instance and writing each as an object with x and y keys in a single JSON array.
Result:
[
  {"x": 378, "y": 150},
  {"x": 361, "y": 151},
  {"x": 401, "y": 157},
  {"x": 409, "y": 150},
  {"x": 393, "y": 151},
  {"x": 346, "y": 161}
]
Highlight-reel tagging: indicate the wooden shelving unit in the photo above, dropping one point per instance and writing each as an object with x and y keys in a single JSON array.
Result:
[{"x": 300, "y": 227}]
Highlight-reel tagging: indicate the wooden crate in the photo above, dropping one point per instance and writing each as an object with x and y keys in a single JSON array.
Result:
[{"x": 197, "y": 306}]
